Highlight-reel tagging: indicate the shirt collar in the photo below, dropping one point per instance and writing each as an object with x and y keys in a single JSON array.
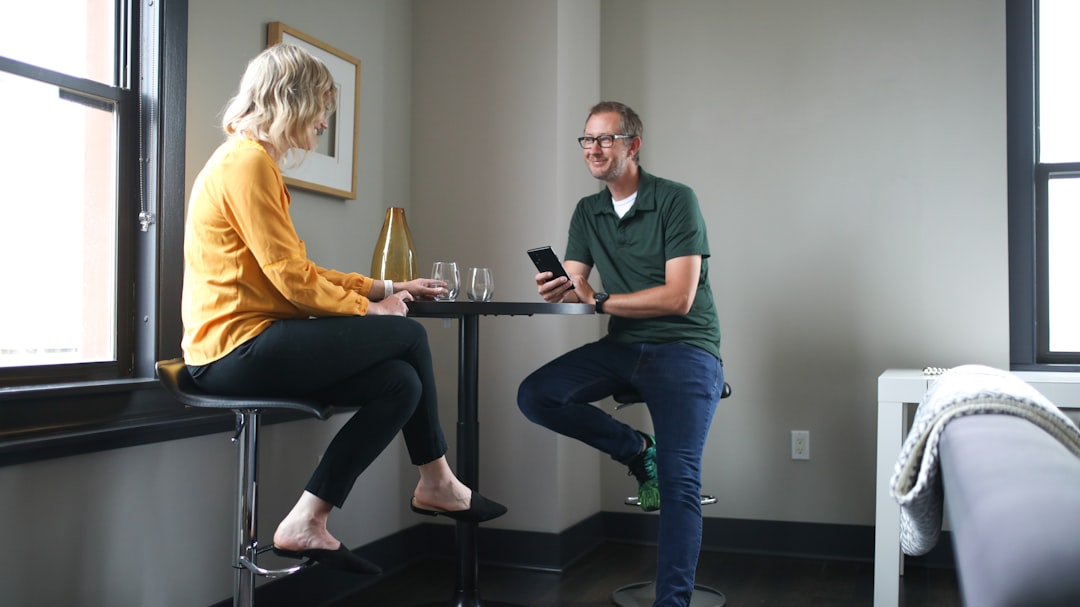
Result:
[{"x": 646, "y": 201}]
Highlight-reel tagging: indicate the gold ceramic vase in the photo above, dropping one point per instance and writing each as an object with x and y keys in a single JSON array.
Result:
[{"x": 394, "y": 257}]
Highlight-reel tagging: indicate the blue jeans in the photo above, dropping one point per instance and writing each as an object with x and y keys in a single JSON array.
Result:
[{"x": 681, "y": 385}]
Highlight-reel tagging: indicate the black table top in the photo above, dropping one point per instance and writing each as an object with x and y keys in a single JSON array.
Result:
[{"x": 451, "y": 309}]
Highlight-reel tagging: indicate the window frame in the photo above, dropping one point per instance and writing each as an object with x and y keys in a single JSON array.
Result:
[
  {"x": 1027, "y": 201},
  {"x": 40, "y": 421}
]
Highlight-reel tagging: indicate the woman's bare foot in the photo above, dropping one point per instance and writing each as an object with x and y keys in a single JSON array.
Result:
[
  {"x": 439, "y": 489},
  {"x": 304, "y": 528},
  {"x": 303, "y": 534}
]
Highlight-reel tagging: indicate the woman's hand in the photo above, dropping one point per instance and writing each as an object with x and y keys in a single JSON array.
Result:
[
  {"x": 423, "y": 288},
  {"x": 390, "y": 306}
]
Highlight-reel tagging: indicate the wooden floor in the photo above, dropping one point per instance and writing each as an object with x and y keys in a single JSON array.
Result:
[{"x": 745, "y": 580}]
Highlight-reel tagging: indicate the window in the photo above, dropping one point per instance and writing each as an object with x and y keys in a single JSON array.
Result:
[
  {"x": 79, "y": 100},
  {"x": 1058, "y": 176},
  {"x": 1044, "y": 182},
  {"x": 64, "y": 100},
  {"x": 91, "y": 224}
]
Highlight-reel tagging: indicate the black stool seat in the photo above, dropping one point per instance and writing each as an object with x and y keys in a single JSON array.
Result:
[
  {"x": 643, "y": 594},
  {"x": 177, "y": 380}
]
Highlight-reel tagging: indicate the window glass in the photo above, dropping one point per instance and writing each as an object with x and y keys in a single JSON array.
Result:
[
  {"x": 1058, "y": 158},
  {"x": 1063, "y": 216},
  {"x": 1043, "y": 101},
  {"x": 1059, "y": 82},
  {"x": 79, "y": 39},
  {"x": 58, "y": 226}
]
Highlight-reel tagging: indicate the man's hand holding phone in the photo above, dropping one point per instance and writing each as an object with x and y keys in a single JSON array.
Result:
[
  {"x": 552, "y": 281},
  {"x": 555, "y": 290}
]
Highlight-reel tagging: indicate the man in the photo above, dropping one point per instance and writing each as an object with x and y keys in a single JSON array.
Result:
[{"x": 646, "y": 237}]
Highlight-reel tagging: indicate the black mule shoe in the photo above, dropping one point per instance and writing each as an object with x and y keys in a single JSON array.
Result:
[
  {"x": 342, "y": 558},
  {"x": 480, "y": 509}
]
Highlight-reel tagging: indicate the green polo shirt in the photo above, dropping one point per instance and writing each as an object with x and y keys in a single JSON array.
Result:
[{"x": 665, "y": 222}]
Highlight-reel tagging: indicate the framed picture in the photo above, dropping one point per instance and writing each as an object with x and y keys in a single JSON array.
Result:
[{"x": 331, "y": 168}]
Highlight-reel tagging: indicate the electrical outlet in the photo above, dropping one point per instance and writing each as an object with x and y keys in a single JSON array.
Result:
[{"x": 800, "y": 444}]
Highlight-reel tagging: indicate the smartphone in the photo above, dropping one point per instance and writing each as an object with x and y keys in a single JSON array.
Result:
[{"x": 545, "y": 260}]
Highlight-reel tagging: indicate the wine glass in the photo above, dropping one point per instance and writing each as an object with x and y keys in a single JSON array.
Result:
[
  {"x": 447, "y": 272},
  {"x": 480, "y": 286}
]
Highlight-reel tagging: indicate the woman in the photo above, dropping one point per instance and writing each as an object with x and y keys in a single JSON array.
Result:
[{"x": 261, "y": 319}]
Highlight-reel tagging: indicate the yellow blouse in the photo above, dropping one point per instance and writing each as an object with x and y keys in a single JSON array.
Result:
[{"x": 244, "y": 265}]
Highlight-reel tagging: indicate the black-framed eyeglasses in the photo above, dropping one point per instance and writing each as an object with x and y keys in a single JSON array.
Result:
[{"x": 605, "y": 141}]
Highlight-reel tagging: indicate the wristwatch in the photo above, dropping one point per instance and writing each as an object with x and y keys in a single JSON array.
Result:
[{"x": 600, "y": 298}]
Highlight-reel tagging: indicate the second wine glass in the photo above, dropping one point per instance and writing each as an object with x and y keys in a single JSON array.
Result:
[
  {"x": 447, "y": 272},
  {"x": 480, "y": 286}
]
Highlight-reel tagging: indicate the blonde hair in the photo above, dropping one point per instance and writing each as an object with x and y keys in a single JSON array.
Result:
[{"x": 283, "y": 91}]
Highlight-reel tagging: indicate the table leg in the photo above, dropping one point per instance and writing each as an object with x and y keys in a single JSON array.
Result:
[
  {"x": 888, "y": 561},
  {"x": 468, "y": 460}
]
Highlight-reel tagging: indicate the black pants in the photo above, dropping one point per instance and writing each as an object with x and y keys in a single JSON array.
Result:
[{"x": 380, "y": 365}]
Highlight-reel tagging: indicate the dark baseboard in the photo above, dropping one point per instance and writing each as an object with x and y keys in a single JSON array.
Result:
[
  {"x": 823, "y": 541},
  {"x": 558, "y": 551}
]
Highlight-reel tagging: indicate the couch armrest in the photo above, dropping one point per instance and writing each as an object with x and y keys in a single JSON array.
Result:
[{"x": 1012, "y": 496}]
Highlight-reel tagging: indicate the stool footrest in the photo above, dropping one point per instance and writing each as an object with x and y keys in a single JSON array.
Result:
[
  {"x": 642, "y": 594},
  {"x": 272, "y": 573},
  {"x": 634, "y": 500}
]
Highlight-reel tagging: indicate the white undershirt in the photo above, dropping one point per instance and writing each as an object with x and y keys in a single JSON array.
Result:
[{"x": 622, "y": 206}]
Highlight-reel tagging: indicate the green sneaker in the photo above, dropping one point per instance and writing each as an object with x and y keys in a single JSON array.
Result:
[{"x": 643, "y": 468}]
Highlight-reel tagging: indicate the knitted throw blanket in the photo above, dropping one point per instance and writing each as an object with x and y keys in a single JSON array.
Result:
[{"x": 965, "y": 390}]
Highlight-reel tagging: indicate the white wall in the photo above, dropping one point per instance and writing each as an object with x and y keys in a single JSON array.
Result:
[{"x": 850, "y": 159}]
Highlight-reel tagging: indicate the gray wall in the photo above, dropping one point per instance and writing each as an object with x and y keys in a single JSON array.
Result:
[{"x": 850, "y": 160}]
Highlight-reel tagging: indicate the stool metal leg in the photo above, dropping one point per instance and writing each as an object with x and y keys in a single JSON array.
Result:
[
  {"x": 247, "y": 424},
  {"x": 642, "y": 594},
  {"x": 246, "y": 546}
]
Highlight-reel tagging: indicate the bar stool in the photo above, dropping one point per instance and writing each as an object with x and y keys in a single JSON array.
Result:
[
  {"x": 174, "y": 375},
  {"x": 642, "y": 594}
]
